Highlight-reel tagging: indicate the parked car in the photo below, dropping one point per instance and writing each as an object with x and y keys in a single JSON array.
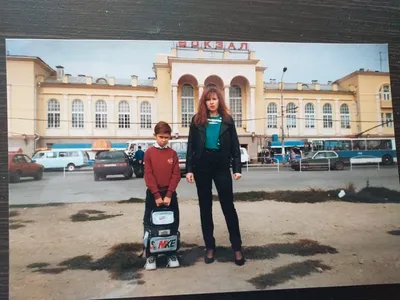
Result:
[
  {"x": 21, "y": 165},
  {"x": 244, "y": 155},
  {"x": 321, "y": 160},
  {"x": 112, "y": 163},
  {"x": 59, "y": 159}
]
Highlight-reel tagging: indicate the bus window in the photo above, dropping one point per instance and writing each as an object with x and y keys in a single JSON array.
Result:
[
  {"x": 379, "y": 144},
  {"x": 358, "y": 145},
  {"x": 343, "y": 145}
]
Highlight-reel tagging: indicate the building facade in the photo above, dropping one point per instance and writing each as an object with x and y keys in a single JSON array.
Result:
[{"x": 47, "y": 106}]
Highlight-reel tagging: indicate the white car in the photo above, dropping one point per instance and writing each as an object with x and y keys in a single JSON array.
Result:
[{"x": 244, "y": 155}]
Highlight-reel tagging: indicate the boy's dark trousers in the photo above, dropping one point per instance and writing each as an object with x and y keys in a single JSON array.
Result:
[
  {"x": 211, "y": 166},
  {"x": 151, "y": 204}
]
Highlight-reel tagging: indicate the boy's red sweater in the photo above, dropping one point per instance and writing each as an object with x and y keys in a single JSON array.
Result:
[{"x": 161, "y": 171}]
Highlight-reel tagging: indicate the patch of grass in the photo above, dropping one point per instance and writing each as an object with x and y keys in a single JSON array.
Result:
[
  {"x": 16, "y": 226},
  {"x": 394, "y": 232},
  {"x": 289, "y": 233},
  {"x": 91, "y": 211},
  {"x": 13, "y": 213},
  {"x": 50, "y": 270},
  {"x": 132, "y": 200},
  {"x": 289, "y": 272},
  {"x": 85, "y": 215},
  {"x": 365, "y": 195},
  {"x": 351, "y": 188},
  {"x": 38, "y": 265},
  {"x": 36, "y": 205},
  {"x": 307, "y": 196}
]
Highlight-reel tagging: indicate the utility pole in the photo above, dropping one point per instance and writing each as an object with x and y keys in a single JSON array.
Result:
[{"x": 282, "y": 108}]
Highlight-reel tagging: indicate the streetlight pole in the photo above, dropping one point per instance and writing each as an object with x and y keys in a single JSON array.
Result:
[{"x": 282, "y": 107}]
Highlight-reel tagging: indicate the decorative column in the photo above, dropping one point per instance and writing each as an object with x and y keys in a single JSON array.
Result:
[
  {"x": 112, "y": 125},
  {"x": 301, "y": 121},
  {"x": 318, "y": 116},
  {"x": 89, "y": 120},
  {"x": 65, "y": 122},
  {"x": 378, "y": 113},
  {"x": 252, "y": 108},
  {"x": 226, "y": 90},
  {"x": 175, "y": 127},
  {"x": 201, "y": 88},
  {"x": 337, "y": 117},
  {"x": 135, "y": 117}
]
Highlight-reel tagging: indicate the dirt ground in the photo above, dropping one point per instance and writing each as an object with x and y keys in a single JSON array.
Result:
[{"x": 57, "y": 254}]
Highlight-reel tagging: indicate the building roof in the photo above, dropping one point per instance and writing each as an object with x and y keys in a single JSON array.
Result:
[
  {"x": 34, "y": 59},
  {"x": 288, "y": 86},
  {"x": 362, "y": 72}
]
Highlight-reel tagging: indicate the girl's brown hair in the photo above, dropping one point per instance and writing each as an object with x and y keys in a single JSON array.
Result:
[{"x": 202, "y": 112}]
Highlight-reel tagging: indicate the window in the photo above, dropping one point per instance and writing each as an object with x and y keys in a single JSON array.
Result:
[
  {"x": 359, "y": 145},
  {"x": 389, "y": 120},
  {"x": 272, "y": 115},
  {"x": 187, "y": 104},
  {"x": 327, "y": 115},
  {"x": 123, "y": 115},
  {"x": 384, "y": 92},
  {"x": 53, "y": 114},
  {"x": 344, "y": 116},
  {"x": 77, "y": 114},
  {"x": 145, "y": 115},
  {"x": 101, "y": 114},
  {"x": 309, "y": 115},
  {"x": 291, "y": 115},
  {"x": 383, "y": 120},
  {"x": 211, "y": 85},
  {"x": 379, "y": 144},
  {"x": 235, "y": 102}
]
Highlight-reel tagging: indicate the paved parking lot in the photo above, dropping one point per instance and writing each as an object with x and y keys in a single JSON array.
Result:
[{"x": 81, "y": 187}]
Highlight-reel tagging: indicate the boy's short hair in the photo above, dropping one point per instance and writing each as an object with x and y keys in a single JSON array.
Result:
[{"x": 162, "y": 128}]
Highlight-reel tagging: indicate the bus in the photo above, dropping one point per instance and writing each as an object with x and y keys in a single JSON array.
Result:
[
  {"x": 276, "y": 146},
  {"x": 360, "y": 150}
]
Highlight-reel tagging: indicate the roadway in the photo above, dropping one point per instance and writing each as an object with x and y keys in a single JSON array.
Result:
[{"x": 57, "y": 187}]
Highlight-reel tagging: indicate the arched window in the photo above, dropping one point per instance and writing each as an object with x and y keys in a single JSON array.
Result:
[
  {"x": 235, "y": 103},
  {"x": 291, "y": 115},
  {"x": 124, "y": 115},
  {"x": 53, "y": 114},
  {"x": 327, "y": 115},
  {"x": 272, "y": 115},
  {"x": 211, "y": 85},
  {"x": 309, "y": 115},
  {"x": 187, "y": 104},
  {"x": 344, "y": 116},
  {"x": 100, "y": 114},
  {"x": 145, "y": 115},
  {"x": 78, "y": 114},
  {"x": 384, "y": 92}
]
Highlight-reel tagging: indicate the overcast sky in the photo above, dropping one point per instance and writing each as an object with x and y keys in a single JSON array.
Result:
[{"x": 121, "y": 59}]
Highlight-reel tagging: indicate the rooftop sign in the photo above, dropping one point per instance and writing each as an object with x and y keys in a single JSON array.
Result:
[{"x": 213, "y": 45}]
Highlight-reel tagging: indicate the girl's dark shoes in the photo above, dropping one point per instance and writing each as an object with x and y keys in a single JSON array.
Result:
[
  {"x": 207, "y": 258},
  {"x": 241, "y": 261}
]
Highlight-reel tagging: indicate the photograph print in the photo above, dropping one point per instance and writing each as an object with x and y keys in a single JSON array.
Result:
[{"x": 155, "y": 168}]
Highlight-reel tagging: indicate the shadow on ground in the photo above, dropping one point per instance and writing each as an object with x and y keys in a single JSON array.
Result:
[
  {"x": 289, "y": 272},
  {"x": 123, "y": 261},
  {"x": 91, "y": 215},
  {"x": 365, "y": 195}
]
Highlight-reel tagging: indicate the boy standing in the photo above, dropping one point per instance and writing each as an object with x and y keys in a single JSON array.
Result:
[{"x": 162, "y": 176}]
